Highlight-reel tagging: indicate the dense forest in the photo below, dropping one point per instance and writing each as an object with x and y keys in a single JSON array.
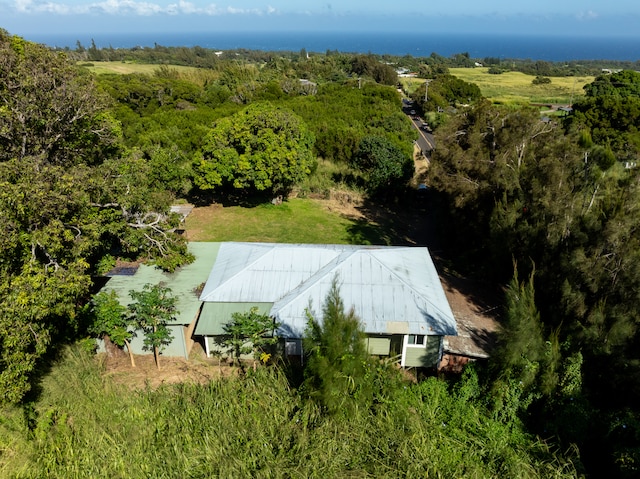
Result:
[{"x": 540, "y": 209}]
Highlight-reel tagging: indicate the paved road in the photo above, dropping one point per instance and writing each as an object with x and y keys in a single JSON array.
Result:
[{"x": 426, "y": 141}]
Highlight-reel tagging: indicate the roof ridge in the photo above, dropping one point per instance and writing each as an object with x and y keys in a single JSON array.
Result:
[
  {"x": 413, "y": 290},
  {"x": 267, "y": 247},
  {"x": 313, "y": 279}
]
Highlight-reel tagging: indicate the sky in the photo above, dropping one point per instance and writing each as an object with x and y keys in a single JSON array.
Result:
[{"x": 586, "y": 17}]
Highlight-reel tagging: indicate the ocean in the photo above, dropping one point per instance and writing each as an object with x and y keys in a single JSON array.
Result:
[{"x": 549, "y": 48}]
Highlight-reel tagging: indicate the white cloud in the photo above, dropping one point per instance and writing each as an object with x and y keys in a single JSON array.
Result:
[
  {"x": 28, "y": 6},
  {"x": 128, "y": 7},
  {"x": 588, "y": 15},
  {"x": 243, "y": 11}
]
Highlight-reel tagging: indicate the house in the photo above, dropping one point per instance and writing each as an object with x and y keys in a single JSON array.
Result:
[
  {"x": 395, "y": 291},
  {"x": 185, "y": 285}
]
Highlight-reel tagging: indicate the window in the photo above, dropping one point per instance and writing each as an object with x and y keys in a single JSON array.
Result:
[{"x": 416, "y": 340}]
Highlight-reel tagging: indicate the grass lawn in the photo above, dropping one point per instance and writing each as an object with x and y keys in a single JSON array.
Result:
[{"x": 297, "y": 220}]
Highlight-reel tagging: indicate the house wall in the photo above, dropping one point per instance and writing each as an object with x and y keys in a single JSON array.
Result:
[
  {"x": 422, "y": 356},
  {"x": 188, "y": 334},
  {"x": 378, "y": 345},
  {"x": 177, "y": 348},
  {"x": 425, "y": 356}
]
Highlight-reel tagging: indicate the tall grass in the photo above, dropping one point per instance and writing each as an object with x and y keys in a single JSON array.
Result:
[{"x": 257, "y": 426}]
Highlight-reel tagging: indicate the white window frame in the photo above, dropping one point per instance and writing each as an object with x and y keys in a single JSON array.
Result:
[
  {"x": 420, "y": 340},
  {"x": 405, "y": 345}
]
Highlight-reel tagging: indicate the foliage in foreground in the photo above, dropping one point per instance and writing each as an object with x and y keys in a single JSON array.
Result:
[
  {"x": 84, "y": 425},
  {"x": 337, "y": 373}
]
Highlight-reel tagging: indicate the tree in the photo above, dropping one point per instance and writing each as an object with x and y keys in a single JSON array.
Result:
[
  {"x": 517, "y": 356},
  {"x": 337, "y": 357},
  {"x": 261, "y": 148},
  {"x": 525, "y": 190},
  {"x": 153, "y": 308},
  {"x": 369, "y": 65},
  {"x": 610, "y": 112},
  {"x": 110, "y": 319},
  {"x": 446, "y": 90},
  {"x": 50, "y": 113},
  {"x": 68, "y": 197},
  {"x": 249, "y": 332},
  {"x": 384, "y": 165},
  {"x": 52, "y": 132}
]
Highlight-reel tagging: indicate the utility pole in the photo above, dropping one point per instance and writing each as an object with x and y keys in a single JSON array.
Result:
[{"x": 426, "y": 90}]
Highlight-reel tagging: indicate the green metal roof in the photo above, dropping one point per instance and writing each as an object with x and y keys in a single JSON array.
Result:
[
  {"x": 215, "y": 315},
  {"x": 185, "y": 283}
]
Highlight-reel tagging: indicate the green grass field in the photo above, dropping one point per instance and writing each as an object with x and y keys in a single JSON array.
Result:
[
  {"x": 515, "y": 88},
  {"x": 124, "y": 68},
  {"x": 85, "y": 425},
  {"x": 298, "y": 220}
]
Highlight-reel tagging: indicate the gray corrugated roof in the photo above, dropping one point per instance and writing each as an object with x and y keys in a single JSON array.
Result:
[
  {"x": 263, "y": 272},
  {"x": 394, "y": 290}
]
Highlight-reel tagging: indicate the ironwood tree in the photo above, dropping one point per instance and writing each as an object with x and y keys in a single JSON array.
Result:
[
  {"x": 526, "y": 191},
  {"x": 337, "y": 360}
]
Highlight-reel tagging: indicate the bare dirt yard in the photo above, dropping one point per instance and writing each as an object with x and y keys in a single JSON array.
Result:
[{"x": 197, "y": 369}]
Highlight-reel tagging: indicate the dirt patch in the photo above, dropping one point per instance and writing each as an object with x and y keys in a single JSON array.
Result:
[
  {"x": 476, "y": 312},
  {"x": 344, "y": 203},
  {"x": 197, "y": 369}
]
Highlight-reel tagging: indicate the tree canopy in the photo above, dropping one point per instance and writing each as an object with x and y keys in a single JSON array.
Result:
[
  {"x": 610, "y": 114},
  {"x": 526, "y": 191},
  {"x": 385, "y": 166},
  {"x": 260, "y": 148},
  {"x": 66, "y": 201}
]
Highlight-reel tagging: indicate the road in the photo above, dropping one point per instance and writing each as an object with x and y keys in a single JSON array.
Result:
[{"x": 426, "y": 141}]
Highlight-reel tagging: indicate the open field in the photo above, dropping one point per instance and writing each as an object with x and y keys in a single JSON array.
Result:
[
  {"x": 124, "y": 68},
  {"x": 515, "y": 88}
]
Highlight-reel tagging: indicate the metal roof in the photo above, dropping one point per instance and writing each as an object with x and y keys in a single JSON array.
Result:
[
  {"x": 184, "y": 282},
  {"x": 214, "y": 316},
  {"x": 393, "y": 290}
]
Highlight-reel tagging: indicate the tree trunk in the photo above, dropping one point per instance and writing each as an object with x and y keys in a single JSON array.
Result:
[
  {"x": 133, "y": 362},
  {"x": 156, "y": 353},
  {"x": 112, "y": 350}
]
